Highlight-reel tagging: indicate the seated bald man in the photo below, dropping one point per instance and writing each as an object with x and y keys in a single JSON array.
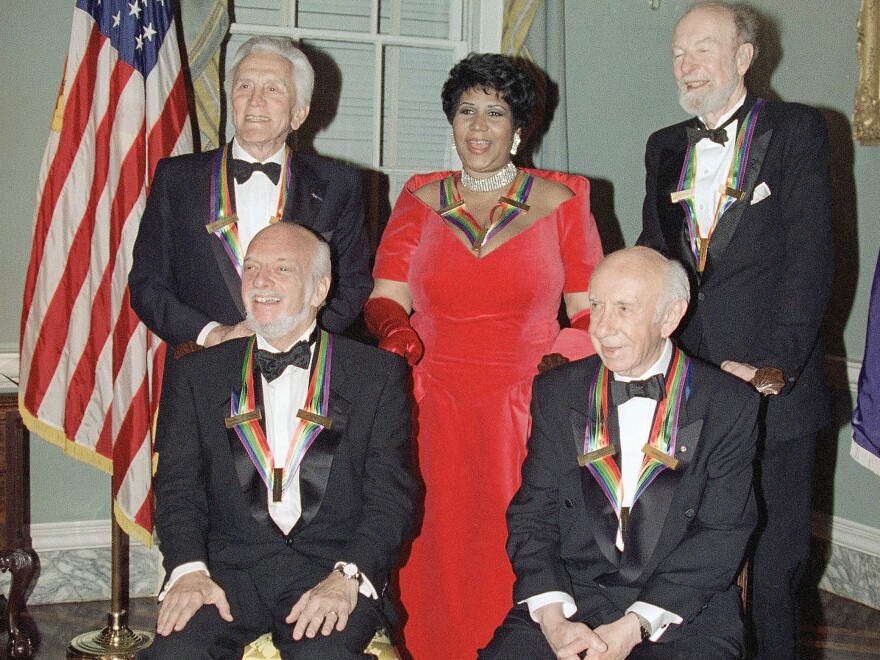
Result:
[
  {"x": 636, "y": 500},
  {"x": 284, "y": 488}
]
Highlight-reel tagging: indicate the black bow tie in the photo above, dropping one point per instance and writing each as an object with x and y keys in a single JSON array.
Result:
[
  {"x": 697, "y": 133},
  {"x": 242, "y": 170},
  {"x": 650, "y": 388},
  {"x": 717, "y": 134},
  {"x": 272, "y": 365}
]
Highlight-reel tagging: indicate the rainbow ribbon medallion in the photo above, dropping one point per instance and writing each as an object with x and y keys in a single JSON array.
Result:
[
  {"x": 244, "y": 418},
  {"x": 731, "y": 192},
  {"x": 452, "y": 209},
  {"x": 598, "y": 456},
  {"x": 225, "y": 223}
]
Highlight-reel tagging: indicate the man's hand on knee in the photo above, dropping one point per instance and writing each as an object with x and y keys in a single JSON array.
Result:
[
  {"x": 185, "y": 597},
  {"x": 621, "y": 637},
  {"x": 567, "y": 639},
  {"x": 325, "y": 607}
]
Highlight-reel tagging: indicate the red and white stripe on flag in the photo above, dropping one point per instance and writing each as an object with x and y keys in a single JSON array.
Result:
[{"x": 90, "y": 371}]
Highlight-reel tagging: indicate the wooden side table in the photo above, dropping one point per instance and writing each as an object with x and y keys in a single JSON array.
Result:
[{"x": 16, "y": 554}]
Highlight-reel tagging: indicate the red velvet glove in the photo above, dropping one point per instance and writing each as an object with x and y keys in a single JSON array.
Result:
[
  {"x": 581, "y": 320},
  {"x": 388, "y": 321}
]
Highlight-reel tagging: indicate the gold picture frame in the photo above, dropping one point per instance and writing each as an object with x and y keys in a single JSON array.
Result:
[{"x": 866, "y": 118}]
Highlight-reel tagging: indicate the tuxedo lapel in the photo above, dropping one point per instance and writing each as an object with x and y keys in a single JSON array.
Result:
[
  {"x": 603, "y": 520},
  {"x": 728, "y": 222},
  {"x": 314, "y": 471},
  {"x": 305, "y": 196},
  {"x": 673, "y": 220},
  {"x": 228, "y": 271},
  {"x": 648, "y": 515},
  {"x": 253, "y": 488}
]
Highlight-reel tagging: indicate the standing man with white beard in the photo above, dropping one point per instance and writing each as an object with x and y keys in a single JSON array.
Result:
[{"x": 740, "y": 194}]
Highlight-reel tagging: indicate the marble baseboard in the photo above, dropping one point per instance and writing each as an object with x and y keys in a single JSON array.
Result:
[
  {"x": 845, "y": 559},
  {"x": 75, "y": 564},
  {"x": 848, "y": 573}
]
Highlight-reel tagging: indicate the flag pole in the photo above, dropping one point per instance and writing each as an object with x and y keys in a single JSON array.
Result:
[{"x": 116, "y": 641}]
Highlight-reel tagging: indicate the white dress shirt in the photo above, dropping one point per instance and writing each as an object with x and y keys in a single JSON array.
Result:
[
  {"x": 713, "y": 168},
  {"x": 634, "y": 418},
  {"x": 289, "y": 388},
  {"x": 256, "y": 200}
]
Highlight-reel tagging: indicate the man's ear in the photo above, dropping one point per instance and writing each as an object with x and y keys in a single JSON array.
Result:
[
  {"x": 298, "y": 116},
  {"x": 744, "y": 55},
  {"x": 322, "y": 288},
  {"x": 672, "y": 316}
]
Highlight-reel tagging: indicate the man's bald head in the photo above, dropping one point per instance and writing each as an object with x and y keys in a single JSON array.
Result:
[{"x": 285, "y": 281}]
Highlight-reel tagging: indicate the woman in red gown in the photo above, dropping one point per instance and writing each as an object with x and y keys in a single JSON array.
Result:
[{"x": 481, "y": 259}]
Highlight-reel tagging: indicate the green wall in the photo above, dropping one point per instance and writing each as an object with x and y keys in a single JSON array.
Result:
[{"x": 620, "y": 89}]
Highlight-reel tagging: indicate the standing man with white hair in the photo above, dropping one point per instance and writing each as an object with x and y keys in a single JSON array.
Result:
[
  {"x": 204, "y": 209},
  {"x": 740, "y": 194}
]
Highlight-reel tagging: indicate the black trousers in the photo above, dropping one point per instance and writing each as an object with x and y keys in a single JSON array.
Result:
[
  {"x": 715, "y": 634},
  {"x": 783, "y": 479},
  {"x": 260, "y": 600}
]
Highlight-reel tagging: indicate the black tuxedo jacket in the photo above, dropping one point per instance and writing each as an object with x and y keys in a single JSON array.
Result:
[
  {"x": 182, "y": 278},
  {"x": 688, "y": 530},
  {"x": 357, "y": 487},
  {"x": 768, "y": 275}
]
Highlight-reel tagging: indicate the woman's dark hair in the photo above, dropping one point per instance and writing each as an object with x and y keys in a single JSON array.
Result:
[{"x": 491, "y": 71}]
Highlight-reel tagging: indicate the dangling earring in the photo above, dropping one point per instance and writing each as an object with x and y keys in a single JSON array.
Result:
[
  {"x": 515, "y": 145},
  {"x": 452, "y": 137}
]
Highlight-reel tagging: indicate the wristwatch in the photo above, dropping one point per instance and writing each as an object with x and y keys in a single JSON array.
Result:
[
  {"x": 348, "y": 570},
  {"x": 645, "y": 627}
]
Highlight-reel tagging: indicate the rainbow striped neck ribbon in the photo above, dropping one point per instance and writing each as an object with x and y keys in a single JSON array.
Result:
[
  {"x": 225, "y": 223},
  {"x": 453, "y": 211},
  {"x": 731, "y": 191},
  {"x": 245, "y": 419},
  {"x": 659, "y": 450}
]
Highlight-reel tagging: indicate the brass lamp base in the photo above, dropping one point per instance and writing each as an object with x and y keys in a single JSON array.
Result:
[{"x": 115, "y": 642}]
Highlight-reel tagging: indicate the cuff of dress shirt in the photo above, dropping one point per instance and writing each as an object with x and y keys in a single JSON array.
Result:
[
  {"x": 180, "y": 571},
  {"x": 537, "y": 602},
  {"x": 658, "y": 618},
  {"x": 366, "y": 587},
  {"x": 203, "y": 335}
]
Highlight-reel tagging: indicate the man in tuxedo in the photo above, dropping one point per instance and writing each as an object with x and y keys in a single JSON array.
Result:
[
  {"x": 636, "y": 501},
  {"x": 740, "y": 195},
  {"x": 284, "y": 489},
  {"x": 203, "y": 209}
]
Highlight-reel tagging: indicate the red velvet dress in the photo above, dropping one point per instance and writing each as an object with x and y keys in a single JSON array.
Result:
[{"x": 485, "y": 323}]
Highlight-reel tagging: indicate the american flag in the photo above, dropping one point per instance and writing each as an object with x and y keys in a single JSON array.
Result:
[{"x": 89, "y": 377}]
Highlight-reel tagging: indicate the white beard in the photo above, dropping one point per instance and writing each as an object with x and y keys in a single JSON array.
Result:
[
  {"x": 711, "y": 101},
  {"x": 285, "y": 323}
]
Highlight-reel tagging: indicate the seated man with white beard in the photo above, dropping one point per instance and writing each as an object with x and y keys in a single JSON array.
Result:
[{"x": 284, "y": 488}]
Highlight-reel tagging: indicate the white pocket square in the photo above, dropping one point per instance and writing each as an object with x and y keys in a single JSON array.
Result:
[{"x": 762, "y": 191}]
